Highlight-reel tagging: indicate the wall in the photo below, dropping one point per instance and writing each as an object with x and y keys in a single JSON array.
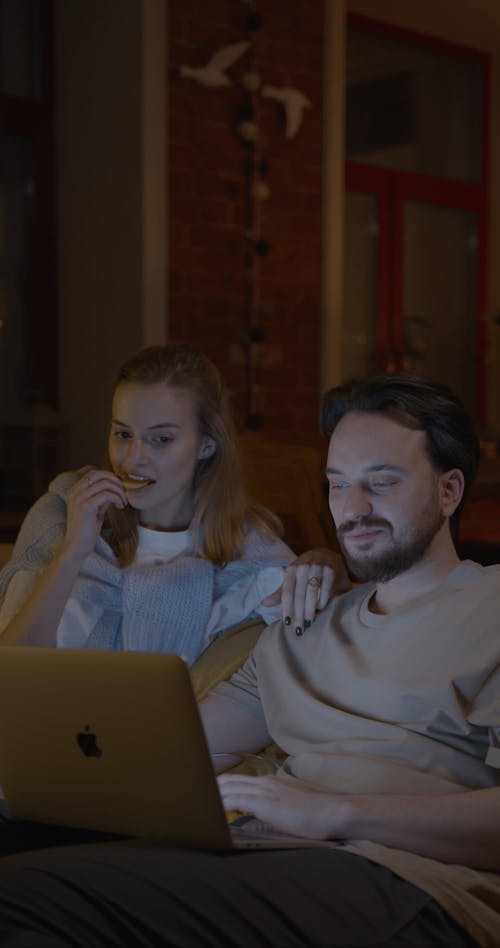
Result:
[
  {"x": 113, "y": 255},
  {"x": 110, "y": 155},
  {"x": 333, "y": 198},
  {"x": 210, "y": 251}
]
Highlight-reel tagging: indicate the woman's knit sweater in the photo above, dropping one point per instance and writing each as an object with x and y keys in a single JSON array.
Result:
[{"x": 163, "y": 608}]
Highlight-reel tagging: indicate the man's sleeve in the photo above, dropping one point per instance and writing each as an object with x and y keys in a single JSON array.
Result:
[
  {"x": 243, "y": 688},
  {"x": 486, "y": 714}
]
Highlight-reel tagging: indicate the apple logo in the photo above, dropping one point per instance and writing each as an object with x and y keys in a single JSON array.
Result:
[{"x": 87, "y": 743}]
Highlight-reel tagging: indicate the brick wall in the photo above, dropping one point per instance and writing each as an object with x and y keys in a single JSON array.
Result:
[{"x": 214, "y": 302}]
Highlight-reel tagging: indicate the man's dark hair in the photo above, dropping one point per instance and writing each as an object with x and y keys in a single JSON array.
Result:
[{"x": 417, "y": 403}]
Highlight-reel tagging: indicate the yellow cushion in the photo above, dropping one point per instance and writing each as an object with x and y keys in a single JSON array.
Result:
[
  {"x": 224, "y": 656},
  {"x": 5, "y": 553}
]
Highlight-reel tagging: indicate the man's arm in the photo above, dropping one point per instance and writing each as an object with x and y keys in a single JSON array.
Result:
[
  {"x": 461, "y": 828},
  {"x": 231, "y": 730}
]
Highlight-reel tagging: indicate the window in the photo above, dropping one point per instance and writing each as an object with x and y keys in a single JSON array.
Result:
[{"x": 415, "y": 234}]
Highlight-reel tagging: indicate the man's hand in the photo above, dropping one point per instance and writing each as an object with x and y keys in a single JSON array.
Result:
[
  {"x": 281, "y": 803},
  {"x": 310, "y": 583},
  {"x": 460, "y": 828}
]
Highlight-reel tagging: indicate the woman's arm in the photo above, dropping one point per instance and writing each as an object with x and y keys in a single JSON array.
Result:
[
  {"x": 37, "y": 621},
  {"x": 87, "y": 501}
]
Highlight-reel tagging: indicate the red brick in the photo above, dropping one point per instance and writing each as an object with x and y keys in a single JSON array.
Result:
[{"x": 210, "y": 254}]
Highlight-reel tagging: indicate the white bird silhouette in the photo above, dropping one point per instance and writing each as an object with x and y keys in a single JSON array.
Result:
[
  {"x": 294, "y": 102},
  {"x": 213, "y": 74}
]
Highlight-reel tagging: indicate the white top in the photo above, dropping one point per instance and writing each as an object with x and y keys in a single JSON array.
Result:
[{"x": 157, "y": 547}]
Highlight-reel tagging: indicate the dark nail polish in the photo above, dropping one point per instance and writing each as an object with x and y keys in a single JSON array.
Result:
[
  {"x": 307, "y": 623},
  {"x": 298, "y": 630},
  {"x": 288, "y": 620}
]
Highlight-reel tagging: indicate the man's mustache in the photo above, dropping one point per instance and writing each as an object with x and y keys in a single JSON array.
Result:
[{"x": 354, "y": 525}]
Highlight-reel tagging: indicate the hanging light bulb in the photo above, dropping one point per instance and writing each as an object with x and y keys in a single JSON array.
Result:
[
  {"x": 248, "y": 131},
  {"x": 260, "y": 190}
]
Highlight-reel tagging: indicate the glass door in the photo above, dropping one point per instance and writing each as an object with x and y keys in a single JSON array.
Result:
[{"x": 439, "y": 304}]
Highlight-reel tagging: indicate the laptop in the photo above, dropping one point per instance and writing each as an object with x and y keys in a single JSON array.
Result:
[
  {"x": 113, "y": 742},
  {"x": 108, "y": 741}
]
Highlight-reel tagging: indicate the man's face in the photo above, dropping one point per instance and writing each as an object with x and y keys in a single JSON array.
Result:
[{"x": 384, "y": 495}]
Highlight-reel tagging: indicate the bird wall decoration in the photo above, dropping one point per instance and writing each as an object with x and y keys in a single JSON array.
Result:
[
  {"x": 213, "y": 74},
  {"x": 293, "y": 101}
]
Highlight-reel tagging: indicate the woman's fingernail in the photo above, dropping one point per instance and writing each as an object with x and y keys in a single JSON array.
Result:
[
  {"x": 298, "y": 630},
  {"x": 288, "y": 620},
  {"x": 307, "y": 623}
]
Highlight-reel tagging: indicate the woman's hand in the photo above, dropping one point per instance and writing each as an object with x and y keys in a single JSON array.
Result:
[
  {"x": 310, "y": 582},
  {"x": 87, "y": 503}
]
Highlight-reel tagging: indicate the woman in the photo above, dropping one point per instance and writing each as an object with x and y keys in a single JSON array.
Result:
[{"x": 161, "y": 550}]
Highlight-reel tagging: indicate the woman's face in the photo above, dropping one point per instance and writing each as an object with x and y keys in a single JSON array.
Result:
[{"x": 154, "y": 446}]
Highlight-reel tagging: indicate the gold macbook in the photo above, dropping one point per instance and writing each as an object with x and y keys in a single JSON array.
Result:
[{"x": 107, "y": 741}]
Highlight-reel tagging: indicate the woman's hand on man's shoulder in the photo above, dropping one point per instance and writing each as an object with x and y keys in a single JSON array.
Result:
[{"x": 310, "y": 582}]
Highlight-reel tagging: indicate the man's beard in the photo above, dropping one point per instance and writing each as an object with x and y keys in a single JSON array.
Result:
[{"x": 400, "y": 556}]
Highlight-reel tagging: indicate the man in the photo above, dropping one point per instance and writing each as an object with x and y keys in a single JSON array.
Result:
[{"x": 388, "y": 709}]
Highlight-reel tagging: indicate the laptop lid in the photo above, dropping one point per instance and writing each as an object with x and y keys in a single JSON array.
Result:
[{"x": 108, "y": 741}]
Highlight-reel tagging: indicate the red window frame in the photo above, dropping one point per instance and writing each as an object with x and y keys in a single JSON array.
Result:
[{"x": 392, "y": 188}]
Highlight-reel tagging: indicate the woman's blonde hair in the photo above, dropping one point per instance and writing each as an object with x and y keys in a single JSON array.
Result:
[{"x": 221, "y": 503}]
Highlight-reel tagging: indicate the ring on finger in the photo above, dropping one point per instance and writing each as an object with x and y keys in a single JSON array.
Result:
[{"x": 315, "y": 582}]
